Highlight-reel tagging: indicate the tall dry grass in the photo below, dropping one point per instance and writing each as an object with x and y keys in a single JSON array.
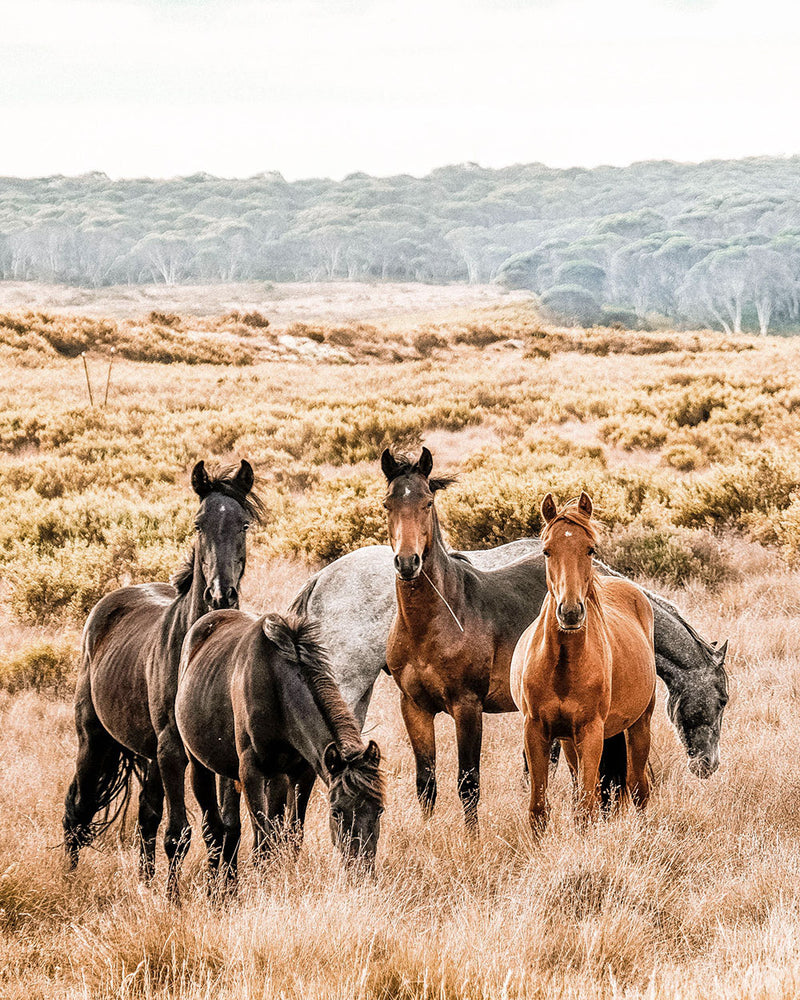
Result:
[{"x": 689, "y": 445}]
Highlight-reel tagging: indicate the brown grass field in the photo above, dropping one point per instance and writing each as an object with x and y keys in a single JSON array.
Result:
[{"x": 688, "y": 444}]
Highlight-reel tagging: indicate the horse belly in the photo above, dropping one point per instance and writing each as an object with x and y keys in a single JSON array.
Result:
[
  {"x": 119, "y": 695},
  {"x": 633, "y": 682}
]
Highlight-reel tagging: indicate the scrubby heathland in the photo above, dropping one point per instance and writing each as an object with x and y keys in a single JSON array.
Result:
[{"x": 688, "y": 444}]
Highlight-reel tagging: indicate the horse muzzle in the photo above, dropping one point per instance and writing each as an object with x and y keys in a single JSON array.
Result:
[
  {"x": 704, "y": 765},
  {"x": 218, "y": 597},
  {"x": 571, "y": 617},
  {"x": 408, "y": 567}
]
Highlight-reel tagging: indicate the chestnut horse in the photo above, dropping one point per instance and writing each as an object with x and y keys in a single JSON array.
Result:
[
  {"x": 257, "y": 704},
  {"x": 585, "y": 670},
  {"x": 128, "y": 675}
]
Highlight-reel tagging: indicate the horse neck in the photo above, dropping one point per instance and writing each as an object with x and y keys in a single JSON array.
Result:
[
  {"x": 314, "y": 720},
  {"x": 189, "y": 607}
]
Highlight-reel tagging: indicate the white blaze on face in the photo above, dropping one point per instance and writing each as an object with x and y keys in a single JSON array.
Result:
[
  {"x": 407, "y": 492},
  {"x": 568, "y": 534}
]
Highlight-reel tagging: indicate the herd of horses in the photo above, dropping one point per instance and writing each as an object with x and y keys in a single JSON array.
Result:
[{"x": 175, "y": 676}]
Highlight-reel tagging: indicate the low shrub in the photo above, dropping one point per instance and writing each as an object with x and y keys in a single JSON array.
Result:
[
  {"x": 43, "y": 666},
  {"x": 674, "y": 556},
  {"x": 479, "y": 336}
]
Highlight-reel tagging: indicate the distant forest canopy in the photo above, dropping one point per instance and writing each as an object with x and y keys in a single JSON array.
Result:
[{"x": 715, "y": 243}]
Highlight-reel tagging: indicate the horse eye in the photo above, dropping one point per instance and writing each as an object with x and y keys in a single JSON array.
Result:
[
  {"x": 386, "y": 505},
  {"x": 245, "y": 527},
  {"x": 546, "y": 553},
  {"x": 428, "y": 505},
  {"x": 591, "y": 551}
]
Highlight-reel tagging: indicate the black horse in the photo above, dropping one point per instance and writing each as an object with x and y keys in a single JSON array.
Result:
[
  {"x": 257, "y": 704},
  {"x": 125, "y": 696}
]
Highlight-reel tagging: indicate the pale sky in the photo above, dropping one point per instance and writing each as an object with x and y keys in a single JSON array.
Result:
[{"x": 313, "y": 88}]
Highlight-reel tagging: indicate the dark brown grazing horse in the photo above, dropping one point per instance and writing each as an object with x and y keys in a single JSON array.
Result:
[
  {"x": 585, "y": 669},
  {"x": 257, "y": 703},
  {"x": 454, "y": 631},
  {"x": 124, "y": 701}
]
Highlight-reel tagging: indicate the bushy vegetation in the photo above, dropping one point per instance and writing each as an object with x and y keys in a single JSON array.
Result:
[
  {"x": 43, "y": 666},
  {"x": 700, "y": 443}
]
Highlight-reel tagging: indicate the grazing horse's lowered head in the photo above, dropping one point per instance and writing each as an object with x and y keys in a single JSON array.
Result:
[
  {"x": 697, "y": 700},
  {"x": 412, "y": 520},
  {"x": 228, "y": 508},
  {"x": 356, "y": 797}
]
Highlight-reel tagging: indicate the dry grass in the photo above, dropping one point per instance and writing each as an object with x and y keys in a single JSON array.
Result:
[{"x": 700, "y": 897}]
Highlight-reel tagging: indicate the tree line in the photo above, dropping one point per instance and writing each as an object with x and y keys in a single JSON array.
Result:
[{"x": 715, "y": 243}]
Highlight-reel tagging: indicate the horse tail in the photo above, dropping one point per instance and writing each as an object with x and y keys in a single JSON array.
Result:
[
  {"x": 101, "y": 784},
  {"x": 299, "y": 605},
  {"x": 613, "y": 770}
]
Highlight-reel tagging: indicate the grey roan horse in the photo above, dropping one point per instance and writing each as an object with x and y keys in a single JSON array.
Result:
[
  {"x": 257, "y": 703},
  {"x": 124, "y": 701}
]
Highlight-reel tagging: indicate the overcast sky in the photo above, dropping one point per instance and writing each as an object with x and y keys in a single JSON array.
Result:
[{"x": 313, "y": 88}]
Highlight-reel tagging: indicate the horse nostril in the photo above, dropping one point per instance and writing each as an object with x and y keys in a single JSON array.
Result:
[
  {"x": 207, "y": 595},
  {"x": 233, "y": 596},
  {"x": 560, "y": 609},
  {"x": 397, "y": 563},
  {"x": 415, "y": 561}
]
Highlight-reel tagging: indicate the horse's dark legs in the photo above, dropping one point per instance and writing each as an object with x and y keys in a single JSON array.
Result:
[
  {"x": 303, "y": 783},
  {"x": 172, "y": 763},
  {"x": 151, "y": 807},
  {"x": 468, "y": 716},
  {"x": 232, "y": 825},
  {"x": 204, "y": 786},
  {"x": 97, "y": 763},
  {"x": 613, "y": 770},
  {"x": 419, "y": 725},
  {"x": 252, "y": 780}
]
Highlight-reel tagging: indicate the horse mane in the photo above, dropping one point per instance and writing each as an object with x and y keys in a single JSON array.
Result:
[
  {"x": 407, "y": 467},
  {"x": 224, "y": 481},
  {"x": 182, "y": 578},
  {"x": 297, "y": 638},
  {"x": 572, "y": 513},
  {"x": 299, "y": 605}
]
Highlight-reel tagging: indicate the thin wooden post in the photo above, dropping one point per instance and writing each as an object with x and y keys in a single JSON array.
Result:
[
  {"x": 88, "y": 383},
  {"x": 108, "y": 378}
]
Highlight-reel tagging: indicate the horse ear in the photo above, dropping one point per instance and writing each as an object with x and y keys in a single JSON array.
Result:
[
  {"x": 372, "y": 755},
  {"x": 425, "y": 463},
  {"x": 201, "y": 484},
  {"x": 244, "y": 478},
  {"x": 388, "y": 465},
  {"x": 585, "y": 503},
  {"x": 721, "y": 650},
  {"x": 333, "y": 760},
  {"x": 549, "y": 508}
]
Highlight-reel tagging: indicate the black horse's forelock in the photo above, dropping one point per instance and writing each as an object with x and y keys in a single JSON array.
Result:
[
  {"x": 408, "y": 467},
  {"x": 361, "y": 778},
  {"x": 224, "y": 481}
]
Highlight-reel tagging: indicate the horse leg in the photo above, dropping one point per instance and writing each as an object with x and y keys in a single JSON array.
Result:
[
  {"x": 537, "y": 751},
  {"x": 613, "y": 770},
  {"x": 172, "y": 763},
  {"x": 151, "y": 807},
  {"x": 638, "y": 738},
  {"x": 468, "y": 716},
  {"x": 589, "y": 747},
  {"x": 419, "y": 725},
  {"x": 204, "y": 786},
  {"x": 98, "y": 763},
  {"x": 232, "y": 825},
  {"x": 303, "y": 783},
  {"x": 251, "y": 779}
]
